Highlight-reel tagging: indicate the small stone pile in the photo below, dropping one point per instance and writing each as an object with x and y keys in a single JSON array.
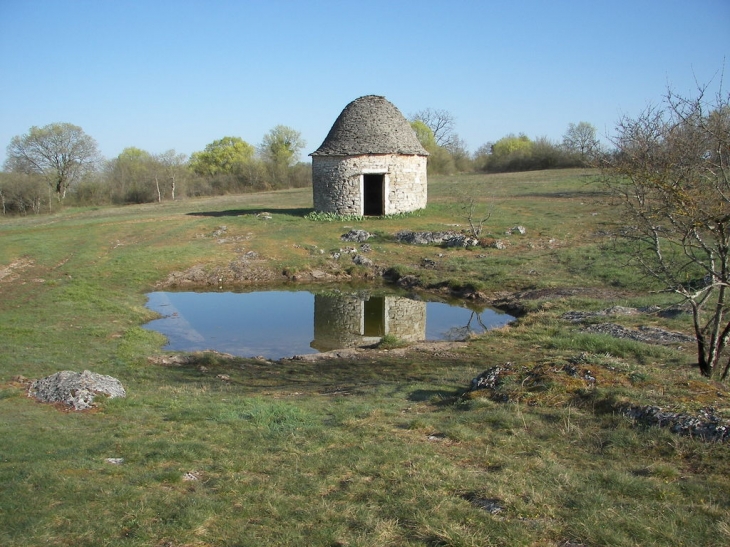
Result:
[
  {"x": 490, "y": 378},
  {"x": 356, "y": 236},
  {"x": 646, "y": 334},
  {"x": 706, "y": 426},
  {"x": 447, "y": 239},
  {"x": 75, "y": 389}
]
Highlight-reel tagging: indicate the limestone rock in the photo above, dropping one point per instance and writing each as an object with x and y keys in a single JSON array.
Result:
[
  {"x": 362, "y": 260},
  {"x": 75, "y": 389},
  {"x": 358, "y": 236}
]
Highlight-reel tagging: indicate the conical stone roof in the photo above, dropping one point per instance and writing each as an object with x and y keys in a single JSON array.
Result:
[{"x": 370, "y": 125}]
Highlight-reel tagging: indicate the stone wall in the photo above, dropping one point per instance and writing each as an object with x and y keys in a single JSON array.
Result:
[
  {"x": 337, "y": 182},
  {"x": 406, "y": 318},
  {"x": 339, "y": 321}
]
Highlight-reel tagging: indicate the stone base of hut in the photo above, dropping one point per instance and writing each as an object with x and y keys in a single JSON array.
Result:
[{"x": 373, "y": 184}]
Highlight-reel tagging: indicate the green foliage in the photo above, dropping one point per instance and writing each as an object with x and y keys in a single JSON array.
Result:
[
  {"x": 519, "y": 153},
  {"x": 136, "y": 176},
  {"x": 332, "y": 217},
  {"x": 512, "y": 145},
  {"x": 338, "y": 217},
  {"x": 440, "y": 159},
  {"x": 424, "y": 135},
  {"x": 390, "y": 341},
  {"x": 282, "y": 145},
  {"x": 279, "y": 150},
  {"x": 229, "y": 156},
  {"x": 131, "y": 174}
]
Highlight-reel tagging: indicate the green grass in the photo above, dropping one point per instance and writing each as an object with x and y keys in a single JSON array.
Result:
[{"x": 382, "y": 450}]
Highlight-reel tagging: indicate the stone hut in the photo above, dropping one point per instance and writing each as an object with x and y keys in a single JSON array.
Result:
[
  {"x": 351, "y": 320},
  {"x": 371, "y": 162}
]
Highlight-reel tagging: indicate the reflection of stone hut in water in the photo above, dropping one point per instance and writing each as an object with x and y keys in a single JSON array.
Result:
[
  {"x": 371, "y": 162},
  {"x": 349, "y": 320}
]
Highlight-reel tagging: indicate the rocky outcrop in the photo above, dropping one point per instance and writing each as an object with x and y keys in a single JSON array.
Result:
[
  {"x": 447, "y": 239},
  {"x": 356, "y": 236},
  {"x": 75, "y": 389},
  {"x": 707, "y": 425},
  {"x": 646, "y": 334}
]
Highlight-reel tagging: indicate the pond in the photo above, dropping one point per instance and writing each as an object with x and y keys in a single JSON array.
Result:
[{"x": 279, "y": 323}]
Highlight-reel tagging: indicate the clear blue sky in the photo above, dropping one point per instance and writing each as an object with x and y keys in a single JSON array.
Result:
[{"x": 162, "y": 75}]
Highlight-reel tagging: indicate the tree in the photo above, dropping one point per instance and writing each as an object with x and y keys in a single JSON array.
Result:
[
  {"x": 460, "y": 154},
  {"x": 440, "y": 122},
  {"x": 581, "y": 139},
  {"x": 511, "y": 153},
  {"x": 482, "y": 155},
  {"x": 282, "y": 145},
  {"x": 440, "y": 160},
  {"x": 60, "y": 152},
  {"x": 225, "y": 156},
  {"x": 171, "y": 169},
  {"x": 425, "y": 136},
  {"x": 512, "y": 144},
  {"x": 280, "y": 150},
  {"x": 671, "y": 176},
  {"x": 20, "y": 193},
  {"x": 131, "y": 176}
]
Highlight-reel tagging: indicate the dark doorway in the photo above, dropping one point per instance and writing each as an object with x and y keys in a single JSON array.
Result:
[
  {"x": 373, "y": 190},
  {"x": 374, "y": 316}
]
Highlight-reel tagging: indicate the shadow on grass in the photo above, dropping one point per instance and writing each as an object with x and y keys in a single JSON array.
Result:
[
  {"x": 330, "y": 376},
  {"x": 437, "y": 396},
  {"x": 295, "y": 212},
  {"x": 567, "y": 194}
]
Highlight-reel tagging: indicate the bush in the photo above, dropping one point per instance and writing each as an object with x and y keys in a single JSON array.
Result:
[
  {"x": 512, "y": 154},
  {"x": 21, "y": 194}
]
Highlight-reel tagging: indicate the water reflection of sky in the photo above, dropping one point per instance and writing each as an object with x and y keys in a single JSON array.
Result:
[
  {"x": 277, "y": 324},
  {"x": 273, "y": 324},
  {"x": 445, "y": 322}
]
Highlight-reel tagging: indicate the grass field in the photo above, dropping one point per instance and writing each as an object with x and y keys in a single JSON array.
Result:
[{"x": 385, "y": 448}]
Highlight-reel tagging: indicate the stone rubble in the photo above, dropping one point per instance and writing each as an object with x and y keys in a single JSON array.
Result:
[
  {"x": 646, "y": 334},
  {"x": 75, "y": 389},
  {"x": 356, "y": 236},
  {"x": 707, "y": 426},
  {"x": 447, "y": 239},
  {"x": 361, "y": 260},
  {"x": 490, "y": 378},
  {"x": 649, "y": 335}
]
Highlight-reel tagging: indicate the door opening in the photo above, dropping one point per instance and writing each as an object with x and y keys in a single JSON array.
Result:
[
  {"x": 374, "y": 316},
  {"x": 373, "y": 189}
]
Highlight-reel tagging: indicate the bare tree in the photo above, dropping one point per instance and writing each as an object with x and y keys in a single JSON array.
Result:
[
  {"x": 476, "y": 215},
  {"x": 441, "y": 122},
  {"x": 60, "y": 152},
  {"x": 671, "y": 176},
  {"x": 581, "y": 139},
  {"x": 173, "y": 167}
]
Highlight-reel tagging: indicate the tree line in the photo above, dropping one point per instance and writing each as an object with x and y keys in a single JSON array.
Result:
[
  {"x": 49, "y": 163},
  {"x": 59, "y": 162},
  {"x": 448, "y": 153}
]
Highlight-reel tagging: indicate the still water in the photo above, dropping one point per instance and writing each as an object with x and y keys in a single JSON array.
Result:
[{"x": 277, "y": 324}]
